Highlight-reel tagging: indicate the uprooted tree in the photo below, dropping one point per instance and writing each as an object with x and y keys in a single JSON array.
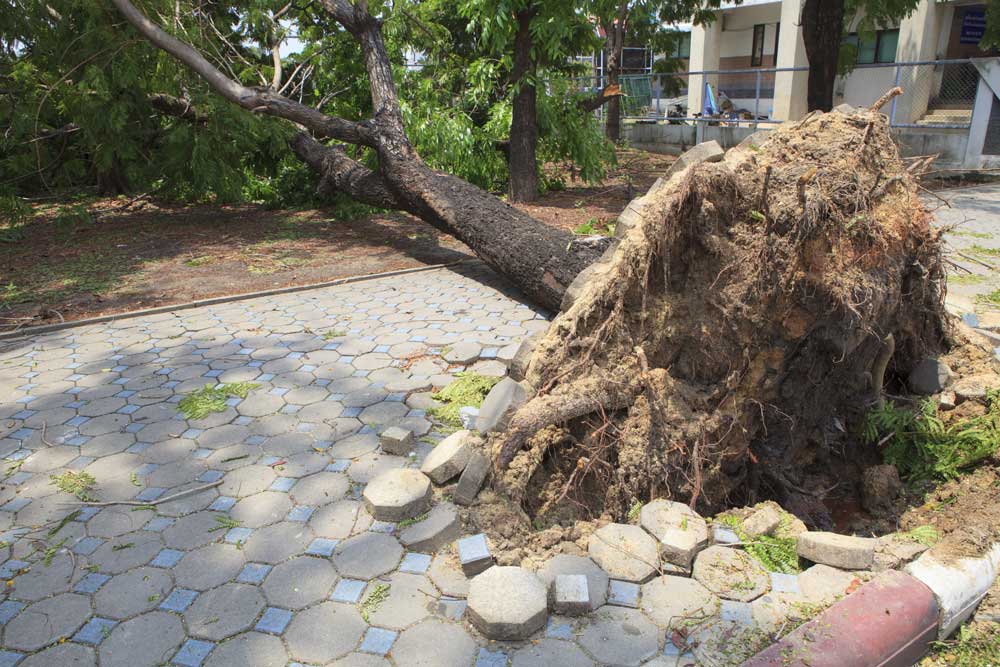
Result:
[
  {"x": 725, "y": 346},
  {"x": 728, "y": 348}
]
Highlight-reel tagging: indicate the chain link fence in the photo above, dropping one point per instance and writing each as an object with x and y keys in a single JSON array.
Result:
[{"x": 937, "y": 94}]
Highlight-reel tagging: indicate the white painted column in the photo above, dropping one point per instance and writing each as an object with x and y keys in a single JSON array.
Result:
[
  {"x": 790, "y": 91},
  {"x": 706, "y": 45},
  {"x": 918, "y": 40},
  {"x": 989, "y": 88}
]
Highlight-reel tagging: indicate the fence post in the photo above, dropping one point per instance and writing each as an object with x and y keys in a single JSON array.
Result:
[
  {"x": 892, "y": 113},
  {"x": 756, "y": 102}
]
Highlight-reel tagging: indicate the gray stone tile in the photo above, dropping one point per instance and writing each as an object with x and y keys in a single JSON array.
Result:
[
  {"x": 299, "y": 582},
  {"x": 224, "y": 611}
]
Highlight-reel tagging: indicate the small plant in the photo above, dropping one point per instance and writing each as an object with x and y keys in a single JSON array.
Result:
[
  {"x": 123, "y": 546},
  {"x": 926, "y": 535},
  {"x": 78, "y": 484},
  {"x": 984, "y": 251},
  {"x": 468, "y": 389},
  {"x": 774, "y": 553},
  {"x": 333, "y": 333},
  {"x": 976, "y": 645},
  {"x": 225, "y": 523},
  {"x": 68, "y": 218},
  {"x": 51, "y": 551},
  {"x": 199, "y": 404},
  {"x": 923, "y": 447},
  {"x": 371, "y": 603},
  {"x": 991, "y": 298},
  {"x": 758, "y": 216},
  {"x": 595, "y": 226},
  {"x": 201, "y": 260},
  {"x": 633, "y": 511},
  {"x": 405, "y": 523}
]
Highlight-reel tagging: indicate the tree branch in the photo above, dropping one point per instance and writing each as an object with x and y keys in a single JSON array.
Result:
[
  {"x": 178, "y": 108},
  {"x": 597, "y": 100},
  {"x": 339, "y": 173},
  {"x": 253, "y": 99}
]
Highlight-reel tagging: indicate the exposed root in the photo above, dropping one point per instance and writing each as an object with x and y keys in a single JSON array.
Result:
[{"x": 720, "y": 349}]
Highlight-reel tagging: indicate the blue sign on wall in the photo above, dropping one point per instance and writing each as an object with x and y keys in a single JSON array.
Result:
[{"x": 973, "y": 26}]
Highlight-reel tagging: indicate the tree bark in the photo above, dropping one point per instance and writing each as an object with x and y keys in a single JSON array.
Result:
[
  {"x": 540, "y": 260},
  {"x": 615, "y": 47},
  {"x": 521, "y": 160},
  {"x": 822, "y": 33}
]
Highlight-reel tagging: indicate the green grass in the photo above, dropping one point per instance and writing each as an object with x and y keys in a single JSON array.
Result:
[
  {"x": 923, "y": 447},
  {"x": 926, "y": 535},
  {"x": 967, "y": 279},
  {"x": 634, "y": 510},
  {"x": 225, "y": 523},
  {"x": 983, "y": 250},
  {"x": 976, "y": 645},
  {"x": 78, "y": 484},
  {"x": 991, "y": 298},
  {"x": 775, "y": 554},
  {"x": 201, "y": 260},
  {"x": 199, "y": 404},
  {"x": 468, "y": 389},
  {"x": 405, "y": 523},
  {"x": 971, "y": 235},
  {"x": 595, "y": 226}
]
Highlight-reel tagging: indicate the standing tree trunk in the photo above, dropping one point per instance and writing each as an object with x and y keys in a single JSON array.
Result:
[
  {"x": 615, "y": 46},
  {"x": 521, "y": 160},
  {"x": 538, "y": 259},
  {"x": 822, "y": 32}
]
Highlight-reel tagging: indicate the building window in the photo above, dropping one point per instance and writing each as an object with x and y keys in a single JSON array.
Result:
[
  {"x": 757, "y": 51},
  {"x": 682, "y": 45},
  {"x": 880, "y": 48}
]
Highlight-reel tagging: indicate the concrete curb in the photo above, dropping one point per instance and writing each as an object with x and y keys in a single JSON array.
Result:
[
  {"x": 887, "y": 622},
  {"x": 48, "y": 328},
  {"x": 891, "y": 620}
]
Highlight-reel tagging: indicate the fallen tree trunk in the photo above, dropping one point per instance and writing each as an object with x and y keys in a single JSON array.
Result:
[{"x": 728, "y": 347}]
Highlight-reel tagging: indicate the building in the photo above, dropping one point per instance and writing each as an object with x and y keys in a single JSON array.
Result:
[{"x": 754, "y": 55}]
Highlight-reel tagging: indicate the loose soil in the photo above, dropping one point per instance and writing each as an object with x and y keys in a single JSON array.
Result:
[{"x": 158, "y": 254}]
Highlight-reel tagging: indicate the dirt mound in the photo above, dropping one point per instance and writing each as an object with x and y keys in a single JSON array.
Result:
[{"x": 727, "y": 348}]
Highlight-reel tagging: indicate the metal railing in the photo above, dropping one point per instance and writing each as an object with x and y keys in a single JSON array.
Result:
[{"x": 937, "y": 94}]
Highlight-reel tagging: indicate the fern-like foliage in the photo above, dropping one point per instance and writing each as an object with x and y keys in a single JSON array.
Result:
[{"x": 922, "y": 446}]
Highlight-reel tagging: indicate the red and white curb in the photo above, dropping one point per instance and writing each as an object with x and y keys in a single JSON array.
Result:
[{"x": 891, "y": 620}]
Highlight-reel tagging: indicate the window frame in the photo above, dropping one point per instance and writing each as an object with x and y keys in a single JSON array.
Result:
[
  {"x": 757, "y": 45},
  {"x": 876, "y": 47}
]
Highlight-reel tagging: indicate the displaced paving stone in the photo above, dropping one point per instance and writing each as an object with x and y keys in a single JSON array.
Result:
[
  {"x": 476, "y": 471},
  {"x": 396, "y": 440},
  {"x": 324, "y": 633},
  {"x": 930, "y": 376},
  {"x": 624, "y": 552},
  {"x": 468, "y": 414},
  {"x": 572, "y": 594},
  {"x": 682, "y": 533},
  {"x": 398, "y": 494},
  {"x": 623, "y": 594},
  {"x": 462, "y": 353},
  {"x": 731, "y": 574},
  {"x": 224, "y": 611},
  {"x": 440, "y": 528},
  {"x": 824, "y": 585},
  {"x": 842, "y": 551},
  {"x": 474, "y": 554},
  {"x": 144, "y": 641},
  {"x": 44, "y": 622},
  {"x": 565, "y": 564},
  {"x": 434, "y": 643},
  {"x": 507, "y": 603},
  {"x": 976, "y": 386},
  {"x": 671, "y": 602},
  {"x": 764, "y": 521},
  {"x": 367, "y": 556},
  {"x": 707, "y": 151},
  {"x": 618, "y": 636},
  {"x": 299, "y": 582},
  {"x": 894, "y": 551},
  {"x": 548, "y": 652},
  {"x": 450, "y": 456},
  {"x": 503, "y": 400}
]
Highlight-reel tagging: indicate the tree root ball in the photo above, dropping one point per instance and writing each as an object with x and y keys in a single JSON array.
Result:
[{"x": 728, "y": 345}]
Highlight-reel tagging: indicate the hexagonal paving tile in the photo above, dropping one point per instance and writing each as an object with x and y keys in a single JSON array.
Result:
[
  {"x": 144, "y": 641},
  {"x": 299, "y": 582},
  {"x": 224, "y": 611},
  {"x": 324, "y": 633},
  {"x": 507, "y": 603},
  {"x": 209, "y": 566},
  {"x": 132, "y": 593},
  {"x": 367, "y": 555},
  {"x": 261, "y": 509},
  {"x": 434, "y": 643},
  {"x": 251, "y": 648},
  {"x": 618, "y": 636},
  {"x": 410, "y": 599},
  {"x": 45, "y": 622}
]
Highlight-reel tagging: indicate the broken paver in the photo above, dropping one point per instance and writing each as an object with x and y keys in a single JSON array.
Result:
[
  {"x": 764, "y": 521},
  {"x": 625, "y": 552},
  {"x": 731, "y": 574},
  {"x": 671, "y": 602},
  {"x": 504, "y": 398},
  {"x": 450, "y": 456},
  {"x": 475, "y": 473},
  {"x": 597, "y": 579},
  {"x": 474, "y": 554},
  {"x": 508, "y": 603},
  {"x": 440, "y": 528},
  {"x": 681, "y": 531},
  {"x": 396, "y": 440},
  {"x": 571, "y": 594},
  {"x": 398, "y": 494},
  {"x": 842, "y": 551}
]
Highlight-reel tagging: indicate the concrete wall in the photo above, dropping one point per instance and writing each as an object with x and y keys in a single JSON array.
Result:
[{"x": 950, "y": 145}]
